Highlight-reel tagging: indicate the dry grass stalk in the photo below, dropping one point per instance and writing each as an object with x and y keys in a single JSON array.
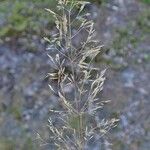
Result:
[{"x": 77, "y": 118}]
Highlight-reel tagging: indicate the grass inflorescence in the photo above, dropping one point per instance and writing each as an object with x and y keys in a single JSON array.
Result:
[{"x": 76, "y": 123}]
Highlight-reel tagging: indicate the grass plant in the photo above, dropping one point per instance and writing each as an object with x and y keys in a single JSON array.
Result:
[{"x": 76, "y": 122}]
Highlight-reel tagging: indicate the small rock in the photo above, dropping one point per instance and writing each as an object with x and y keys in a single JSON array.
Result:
[
  {"x": 128, "y": 77},
  {"x": 142, "y": 91}
]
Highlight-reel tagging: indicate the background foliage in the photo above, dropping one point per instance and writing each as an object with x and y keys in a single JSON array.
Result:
[{"x": 26, "y": 16}]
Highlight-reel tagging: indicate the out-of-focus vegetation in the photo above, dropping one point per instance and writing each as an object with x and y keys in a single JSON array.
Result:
[
  {"x": 126, "y": 39},
  {"x": 24, "y": 16},
  {"x": 128, "y": 35},
  {"x": 6, "y": 144},
  {"x": 146, "y": 1},
  {"x": 9, "y": 144},
  {"x": 28, "y": 16},
  {"x": 143, "y": 21}
]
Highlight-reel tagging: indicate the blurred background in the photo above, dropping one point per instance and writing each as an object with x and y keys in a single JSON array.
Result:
[{"x": 123, "y": 26}]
